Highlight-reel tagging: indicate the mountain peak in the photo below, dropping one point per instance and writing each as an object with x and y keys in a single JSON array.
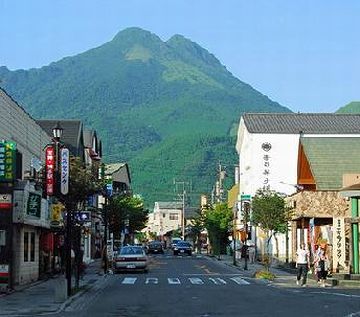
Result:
[{"x": 135, "y": 34}]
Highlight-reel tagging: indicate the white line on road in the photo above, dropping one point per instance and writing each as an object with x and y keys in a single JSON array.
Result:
[
  {"x": 196, "y": 281},
  {"x": 239, "y": 280},
  {"x": 152, "y": 280},
  {"x": 217, "y": 281},
  {"x": 174, "y": 281},
  {"x": 129, "y": 280}
]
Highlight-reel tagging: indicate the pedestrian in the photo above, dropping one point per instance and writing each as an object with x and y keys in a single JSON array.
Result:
[
  {"x": 252, "y": 252},
  {"x": 321, "y": 268},
  {"x": 302, "y": 264}
]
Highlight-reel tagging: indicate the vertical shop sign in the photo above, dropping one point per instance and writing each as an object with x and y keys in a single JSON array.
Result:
[
  {"x": 64, "y": 181},
  {"x": 7, "y": 161},
  {"x": 339, "y": 245},
  {"x": 266, "y": 147},
  {"x": 50, "y": 170}
]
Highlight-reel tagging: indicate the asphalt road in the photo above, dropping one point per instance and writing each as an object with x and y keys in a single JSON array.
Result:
[{"x": 199, "y": 286}]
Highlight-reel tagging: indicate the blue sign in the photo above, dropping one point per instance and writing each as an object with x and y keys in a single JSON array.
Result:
[{"x": 109, "y": 189}]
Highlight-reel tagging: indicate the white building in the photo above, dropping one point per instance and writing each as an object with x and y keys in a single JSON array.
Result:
[
  {"x": 167, "y": 216},
  {"x": 268, "y": 145}
]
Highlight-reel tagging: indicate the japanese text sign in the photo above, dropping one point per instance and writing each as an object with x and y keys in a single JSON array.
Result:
[{"x": 7, "y": 161}]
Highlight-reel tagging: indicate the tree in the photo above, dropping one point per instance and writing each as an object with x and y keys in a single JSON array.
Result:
[
  {"x": 217, "y": 219},
  {"x": 196, "y": 227},
  {"x": 126, "y": 211},
  {"x": 270, "y": 213}
]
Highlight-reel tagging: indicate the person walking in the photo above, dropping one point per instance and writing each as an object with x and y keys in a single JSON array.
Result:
[
  {"x": 321, "y": 268},
  {"x": 302, "y": 264},
  {"x": 252, "y": 252}
]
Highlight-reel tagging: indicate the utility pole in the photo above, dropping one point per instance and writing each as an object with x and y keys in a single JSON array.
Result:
[
  {"x": 219, "y": 183},
  {"x": 183, "y": 200}
]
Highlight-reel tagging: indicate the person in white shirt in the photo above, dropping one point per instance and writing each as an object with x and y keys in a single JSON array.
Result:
[{"x": 302, "y": 264}]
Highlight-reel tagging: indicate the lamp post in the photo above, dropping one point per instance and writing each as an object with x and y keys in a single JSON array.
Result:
[{"x": 59, "y": 191}]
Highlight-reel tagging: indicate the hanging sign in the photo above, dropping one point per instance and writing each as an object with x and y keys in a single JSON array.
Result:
[
  {"x": 7, "y": 161},
  {"x": 5, "y": 201},
  {"x": 34, "y": 205},
  {"x": 50, "y": 169},
  {"x": 64, "y": 179},
  {"x": 4, "y": 273}
]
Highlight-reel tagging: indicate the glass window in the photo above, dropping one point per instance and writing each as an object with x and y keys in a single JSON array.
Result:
[
  {"x": 174, "y": 216},
  {"x": 26, "y": 246},
  {"x": 32, "y": 246}
]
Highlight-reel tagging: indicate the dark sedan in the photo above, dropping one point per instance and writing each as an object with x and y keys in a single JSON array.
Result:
[
  {"x": 155, "y": 247},
  {"x": 182, "y": 247}
]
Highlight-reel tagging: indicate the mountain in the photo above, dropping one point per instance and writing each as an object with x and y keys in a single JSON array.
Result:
[
  {"x": 170, "y": 109},
  {"x": 352, "y": 107}
]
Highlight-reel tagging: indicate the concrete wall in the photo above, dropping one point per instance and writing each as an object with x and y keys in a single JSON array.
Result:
[{"x": 17, "y": 125}]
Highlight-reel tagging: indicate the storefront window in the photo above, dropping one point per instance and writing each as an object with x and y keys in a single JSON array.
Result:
[
  {"x": 26, "y": 246},
  {"x": 32, "y": 247}
]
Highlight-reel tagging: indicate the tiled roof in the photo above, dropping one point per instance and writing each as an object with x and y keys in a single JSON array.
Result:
[
  {"x": 307, "y": 123},
  {"x": 113, "y": 167},
  {"x": 170, "y": 205},
  {"x": 330, "y": 158},
  {"x": 72, "y": 134}
]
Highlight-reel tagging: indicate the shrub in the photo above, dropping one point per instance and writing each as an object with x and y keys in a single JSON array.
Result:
[{"x": 265, "y": 275}]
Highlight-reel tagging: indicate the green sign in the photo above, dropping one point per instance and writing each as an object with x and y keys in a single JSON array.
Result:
[
  {"x": 245, "y": 197},
  {"x": 34, "y": 205},
  {"x": 7, "y": 161}
]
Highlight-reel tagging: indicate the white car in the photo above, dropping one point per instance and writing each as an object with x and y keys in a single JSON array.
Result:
[{"x": 131, "y": 258}]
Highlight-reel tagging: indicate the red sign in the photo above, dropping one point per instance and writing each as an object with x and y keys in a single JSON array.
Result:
[{"x": 50, "y": 168}]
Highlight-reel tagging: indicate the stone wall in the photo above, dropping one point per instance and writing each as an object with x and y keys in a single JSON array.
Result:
[{"x": 318, "y": 204}]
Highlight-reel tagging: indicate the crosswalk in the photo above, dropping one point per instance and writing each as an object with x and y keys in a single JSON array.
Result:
[{"x": 234, "y": 280}]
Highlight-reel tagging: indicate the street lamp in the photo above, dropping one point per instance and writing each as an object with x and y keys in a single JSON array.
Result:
[{"x": 57, "y": 132}]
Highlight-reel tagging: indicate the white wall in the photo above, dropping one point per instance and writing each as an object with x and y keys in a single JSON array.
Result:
[{"x": 281, "y": 162}]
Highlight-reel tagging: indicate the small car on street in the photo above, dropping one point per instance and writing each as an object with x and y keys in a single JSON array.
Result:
[
  {"x": 182, "y": 247},
  {"x": 131, "y": 258},
  {"x": 155, "y": 247}
]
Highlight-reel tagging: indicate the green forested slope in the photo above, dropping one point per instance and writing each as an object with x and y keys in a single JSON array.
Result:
[
  {"x": 352, "y": 107},
  {"x": 168, "y": 108}
]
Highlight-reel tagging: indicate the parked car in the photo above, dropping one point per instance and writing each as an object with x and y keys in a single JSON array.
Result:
[
  {"x": 155, "y": 247},
  {"x": 131, "y": 258},
  {"x": 174, "y": 242},
  {"x": 182, "y": 247}
]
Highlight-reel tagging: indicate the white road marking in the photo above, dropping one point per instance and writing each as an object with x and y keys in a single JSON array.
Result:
[
  {"x": 239, "y": 280},
  {"x": 152, "y": 280},
  {"x": 129, "y": 280},
  {"x": 174, "y": 281},
  {"x": 217, "y": 280},
  {"x": 196, "y": 281}
]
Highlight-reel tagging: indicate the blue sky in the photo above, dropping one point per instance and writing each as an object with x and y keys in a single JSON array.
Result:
[{"x": 303, "y": 54}]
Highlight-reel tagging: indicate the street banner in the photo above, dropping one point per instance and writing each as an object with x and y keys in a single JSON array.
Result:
[
  {"x": 7, "y": 161},
  {"x": 64, "y": 178},
  {"x": 50, "y": 169}
]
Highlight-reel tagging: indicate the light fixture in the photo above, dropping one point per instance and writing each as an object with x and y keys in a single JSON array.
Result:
[{"x": 57, "y": 131}]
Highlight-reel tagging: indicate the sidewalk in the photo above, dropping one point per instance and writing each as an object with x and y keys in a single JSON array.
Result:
[
  {"x": 284, "y": 277},
  {"x": 40, "y": 297}
]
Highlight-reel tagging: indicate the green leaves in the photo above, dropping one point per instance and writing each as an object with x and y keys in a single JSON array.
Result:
[
  {"x": 217, "y": 220},
  {"x": 270, "y": 212},
  {"x": 126, "y": 211}
]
